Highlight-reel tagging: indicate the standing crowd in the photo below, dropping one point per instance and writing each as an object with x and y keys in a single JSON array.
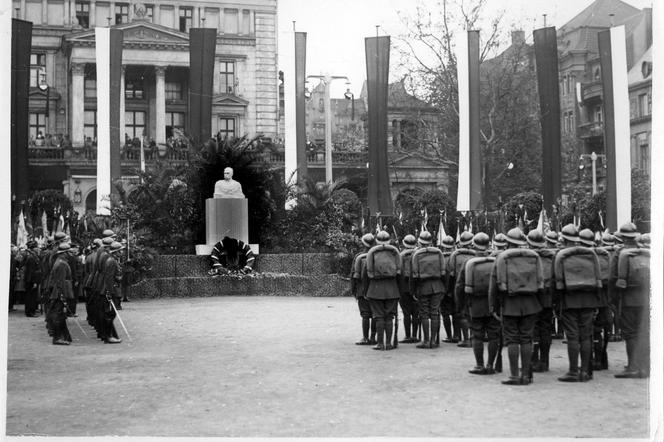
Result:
[
  {"x": 51, "y": 280},
  {"x": 511, "y": 292}
]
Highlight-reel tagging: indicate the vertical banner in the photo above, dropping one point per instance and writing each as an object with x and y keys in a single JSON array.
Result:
[
  {"x": 287, "y": 58},
  {"x": 546, "y": 59},
  {"x": 378, "y": 67},
  {"x": 300, "y": 124},
  {"x": 469, "y": 193},
  {"x": 202, "y": 47},
  {"x": 21, "y": 46},
  {"x": 613, "y": 60}
]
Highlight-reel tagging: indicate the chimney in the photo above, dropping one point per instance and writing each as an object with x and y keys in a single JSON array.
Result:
[{"x": 518, "y": 38}]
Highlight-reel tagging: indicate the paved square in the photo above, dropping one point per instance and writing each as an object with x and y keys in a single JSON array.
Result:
[{"x": 276, "y": 366}]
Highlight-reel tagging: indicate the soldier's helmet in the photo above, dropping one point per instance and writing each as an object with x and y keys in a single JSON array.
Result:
[
  {"x": 627, "y": 230},
  {"x": 481, "y": 241},
  {"x": 645, "y": 240},
  {"x": 570, "y": 233},
  {"x": 425, "y": 238},
  {"x": 587, "y": 237},
  {"x": 516, "y": 236},
  {"x": 383, "y": 237},
  {"x": 409, "y": 241},
  {"x": 368, "y": 240},
  {"x": 500, "y": 240},
  {"x": 551, "y": 237},
  {"x": 31, "y": 244},
  {"x": 465, "y": 239},
  {"x": 108, "y": 233},
  {"x": 107, "y": 241},
  {"x": 535, "y": 239},
  {"x": 59, "y": 236},
  {"x": 608, "y": 239},
  {"x": 97, "y": 242},
  {"x": 63, "y": 247},
  {"x": 448, "y": 242},
  {"x": 116, "y": 246}
]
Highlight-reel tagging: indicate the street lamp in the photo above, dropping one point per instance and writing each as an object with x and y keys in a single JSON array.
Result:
[
  {"x": 593, "y": 158},
  {"x": 326, "y": 80},
  {"x": 43, "y": 86}
]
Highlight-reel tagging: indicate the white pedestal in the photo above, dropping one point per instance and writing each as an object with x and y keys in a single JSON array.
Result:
[{"x": 226, "y": 217}]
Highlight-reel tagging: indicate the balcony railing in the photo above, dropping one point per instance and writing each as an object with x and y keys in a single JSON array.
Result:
[
  {"x": 318, "y": 158},
  {"x": 590, "y": 130},
  {"x": 591, "y": 91}
]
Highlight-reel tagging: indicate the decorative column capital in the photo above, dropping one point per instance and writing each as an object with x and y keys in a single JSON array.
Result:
[
  {"x": 160, "y": 70},
  {"x": 77, "y": 68}
]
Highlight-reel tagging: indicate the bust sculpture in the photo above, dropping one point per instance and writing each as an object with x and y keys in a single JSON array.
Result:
[{"x": 228, "y": 187}]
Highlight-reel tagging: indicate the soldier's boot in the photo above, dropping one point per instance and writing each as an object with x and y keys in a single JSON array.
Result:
[
  {"x": 372, "y": 338},
  {"x": 456, "y": 329},
  {"x": 407, "y": 323},
  {"x": 643, "y": 356},
  {"x": 573, "y": 354},
  {"x": 596, "y": 355},
  {"x": 435, "y": 331},
  {"x": 365, "y": 332},
  {"x": 545, "y": 346},
  {"x": 447, "y": 325},
  {"x": 535, "y": 359},
  {"x": 493, "y": 352},
  {"x": 380, "y": 334},
  {"x": 389, "y": 328},
  {"x": 478, "y": 351},
  {"x": 425, "y": 334},
  {"x": 526, "y": 359},
  {"x": 415, "y": 327},
  {"x": 631, "y": 371},
  {"x": 465, "y": 337},
  {"x": 586, "y": 360},
  {"x": 513, "y": 356}
]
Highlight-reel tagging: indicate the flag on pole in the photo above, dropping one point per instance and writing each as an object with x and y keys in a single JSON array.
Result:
[
  {"x": 425, "y": 220},
  {"x": 60, "y": 224},
  {"x": 21, "y": 231},
  {"x": 44, "y": 221},
  {"x": 142, "y": 156},
  {"x": 362, "y": 224},
  {"x": 540, "y": 222},
  {"x": 458, "y": 235},
  {"x": 601, "y": 220},
  {"x": 441, "y": 231}
]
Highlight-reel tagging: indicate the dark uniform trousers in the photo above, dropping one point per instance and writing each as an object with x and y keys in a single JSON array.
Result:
[
  {"x": 578, "y": 324},
  {"x": 429, "y": 305},
  {"x": 635, "y": 323},
  {"x": 365, "y": 307},
  {"x": 518, "y": 329},
  {"x": 383, "y": 308},
  {"x": 483, "y": 326}
]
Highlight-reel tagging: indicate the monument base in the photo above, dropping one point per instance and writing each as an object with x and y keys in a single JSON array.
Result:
[
  {"x": 226, "y": 217},
  {"x": 206, "y": 249}
]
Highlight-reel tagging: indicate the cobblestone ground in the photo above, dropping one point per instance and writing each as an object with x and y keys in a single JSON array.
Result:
[{"x": 254, "y": 366}]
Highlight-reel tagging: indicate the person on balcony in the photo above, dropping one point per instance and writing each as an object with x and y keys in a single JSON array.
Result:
[{"x": 39, "y": 142}]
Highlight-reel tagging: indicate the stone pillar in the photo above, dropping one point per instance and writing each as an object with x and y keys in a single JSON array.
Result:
[
  {"x": 44, "y": 12},
  {"x": 160, "y": 104},
  {"x": 122, "y": 105},
  {"x": 22, "y": 12},
  {"x": 67, "y": 21},
  {"x": 196, "y": 17},
  {"x": 92, "y": 16},
  {"x": 77, "y": 103},
  {"x": 111, "y": 13}
]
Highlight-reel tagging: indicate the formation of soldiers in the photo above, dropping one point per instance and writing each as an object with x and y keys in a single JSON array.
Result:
[
  {"x": 54, "y": 276},
  {"x": 509, "y": 292}
]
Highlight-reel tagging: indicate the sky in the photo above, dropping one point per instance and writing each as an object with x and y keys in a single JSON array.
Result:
[{"x": 336, "y": 28}]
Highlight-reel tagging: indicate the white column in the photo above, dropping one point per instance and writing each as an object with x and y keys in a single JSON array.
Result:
[
  {"x": 93, "y": 13},
  {"x": 111, "y": 13},
  {"x": 78, "y": 104},
  {"x": 196, "y": 17},
  {"x": 67, "y": 20},
  {"x": 44, "y": 12},
  {"x": 22, "y": 10},
  {"x": 176, "y": 17},
  {"x": 160, "y": 104},
  {"x": 122, "y": 106}
]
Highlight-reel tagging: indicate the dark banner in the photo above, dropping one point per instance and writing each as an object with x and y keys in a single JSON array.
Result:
[
  {"x": 20, "y": 85},
  {"x": 115, "y": 71},
  {"x": 546, "y": 58},
  {"x": 300, "y": 125},
  {"x": 378, "y": 67},
  {"x": 202, "y": 46},
  {"x": 475, "y": 154}
]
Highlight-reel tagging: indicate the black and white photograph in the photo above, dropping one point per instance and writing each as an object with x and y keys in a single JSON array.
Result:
[{"x": 348, "y": 219}]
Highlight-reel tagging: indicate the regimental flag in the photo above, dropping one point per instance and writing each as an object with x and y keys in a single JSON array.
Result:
[
  {"x": 300, "y": 111},
  {"x": 21, "y": 44},
  {"x": 441, "y": 231},
  {"x": 458, "y": 235},
  {"x": 21, "y": 231},
  {"x": 469, "y": 193},
  {"x": 425, "y": 220},
  {"x": 540, "y": 222},
  {"x": 59, "y": 224},
  {"x": 44, "y": 222},
  {"x": 613, "y": 61},
  {"x": 601, "y": 219},
  {"x": 108, "y": 51}
]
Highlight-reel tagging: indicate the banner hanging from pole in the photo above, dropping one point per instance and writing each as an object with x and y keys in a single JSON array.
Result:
[
  {"x": 300, "y": 124},
  {"x": 202, "y": 47}
]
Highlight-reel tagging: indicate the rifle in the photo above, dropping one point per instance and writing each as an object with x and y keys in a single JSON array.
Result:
[
  {"x": 395, "y": 338},
  {"x": 110, "y": 299},
  {"x": 499, "y": 357}
]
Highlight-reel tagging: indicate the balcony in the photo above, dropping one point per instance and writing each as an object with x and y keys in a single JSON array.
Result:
[
  {"x": 591, "y": 91},
  {"x": 317, "y": 159},
  {"x": 590, "y": 130}
]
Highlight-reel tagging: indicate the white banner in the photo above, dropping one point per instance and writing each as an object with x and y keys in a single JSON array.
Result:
[
  {"x": 463, "y": 190},
  {"x": 287, "y": 54},
  {"x": 102, "y": 46}
]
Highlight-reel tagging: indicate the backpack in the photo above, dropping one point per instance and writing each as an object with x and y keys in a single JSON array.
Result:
[
  {"x": 633, "y": 268},
  {"x": 519, "y": 271},
  {"x": 577, "y": 268},
  {"x": 478, "y": 275},
  {"x": 427, "y": 263},
  {"x": 546, "y": 258},
  {"x": 406, "y": 262},
  {"x": 356, "y": 268},
  {"x": 604, "y": 261},
  {"x": 383, "y": 262},
  {"x": 458, "y": 260}
]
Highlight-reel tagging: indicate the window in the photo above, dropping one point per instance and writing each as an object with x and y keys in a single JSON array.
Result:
[
  {"x": 90, "y": 81},
  {"x": 33, "y": 11},
  {"x": 246, "y": 22},
  {"x": 174, "y": 120},
  {"x": 90, "y": 125},
  {"x": 644, "y": 105},
  {"x": 37, "y": 66},
  {"x": 173, "y": 90},
  {"x": 597, "y": 114},
  {"x": 134, "y": 124},
  {"x": 121, "y": 13},
  {"x": 134, "y": 89},
  {"x": 227, "y": 76},
  {"x": 185, "y": 19},
  {"x": 83, "y": 13},
  {"x": 597, "y": 74},
  {"x": 149, "y": 13},
  {"x": 56, "y": 13},
  {"x": 565, "y": 123},
  {"x": 230, "y": 21},
  {"x": 226, "y": 128},
  {"x": 211, "y": 18},
  {"x": 644, "y": 151},
  {"x": 37, "y": 123},
  {"x": 166, "y": 16}
]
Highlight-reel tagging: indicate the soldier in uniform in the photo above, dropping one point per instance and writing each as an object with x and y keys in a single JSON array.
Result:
[
  {"x": 99, "y": 300},
  {"x": 231, "y": 255},
  {"x": 427, "y": 273},
  {"x": 409, "y": 306},
  {"x": 515, "y": 289},
  {"x": 32, "y": 280},
  {"x": 578, "y": 283},
  {"x": 368, "y": 241},
  {"x": 447, "y": 309},
  {"x": 457, "y": 260},
  {"x": 110, "y": 289},
  {"x": 472, "y": 298},
  {"x": 499, "y": 244},
  {"x": 544, "y": 322},
  {"x": 380, "y": 271},
  {"x": 61, "y": 292},
  {"x": 88, "y": 276},
  {"x": 48, "y": 259},
  {"x": 629, "y": 286}
]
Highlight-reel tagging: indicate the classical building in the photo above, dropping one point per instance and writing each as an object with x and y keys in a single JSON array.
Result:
[
  {"x": 63, "y": 111},
  {"x": 581, "y": 103}
]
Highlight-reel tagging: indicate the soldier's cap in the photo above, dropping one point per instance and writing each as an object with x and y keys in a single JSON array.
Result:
[
  {"x": 409, "y": 241},
  {"x": 97, "y": 242},
  {"x": 116, "y": 246},
  {"x": 31, "y": 244},
  {"x": 448, "y": 242},
  {"x": 570, "y": 233},
  {"x": 536, "y": 239},
  {"x": 465, "y": 239},
  {"x": 608, "y": 239},
  {"x": 368, "y": 240},
  {"x": 383, "y": 237},
  {"x": 617, "y": 237},
  {"x": 63, "y": 247},
  {"x": 587, "y": 237},
  {"x": 108, "y": 233},
  {"x": 425, "y": 238},
  {"x": 645, "y": 240},
  {"x": 516, "y": 236},
  {"x": 107, "y": 241},
  {"x": 481, "y": 241},
  {"x": 627, "y": 230},
  {"x": 551, "y": 237},
  {"x": 500, "y": 240},
  {"x": 59, "y": 236}
]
